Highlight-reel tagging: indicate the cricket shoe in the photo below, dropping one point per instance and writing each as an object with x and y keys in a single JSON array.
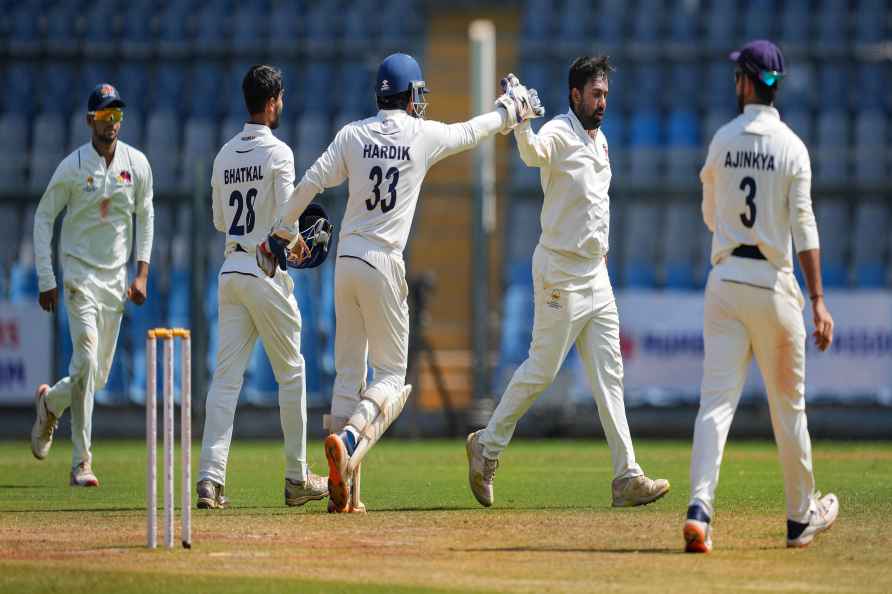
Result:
[
  {"x": 82, "y": 476},
  {"x": 299, "y": 493},
  {"x": 338, "y": 481},
  {"x": 481, "y": 470},
  {"x": 210, "y": 495},
  {"x": 697, "y": 531},
  {"x": 44, "y": 425},
  {"x": 822, "y": 517},
  {"x": 638, "y": 490}
]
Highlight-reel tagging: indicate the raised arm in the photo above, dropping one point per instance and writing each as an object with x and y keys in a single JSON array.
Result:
[
  {"x": 329, "y": 170},
  {"x": 450, "y": 139}
]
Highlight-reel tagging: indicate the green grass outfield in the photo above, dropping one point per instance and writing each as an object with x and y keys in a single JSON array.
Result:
[{"x": 551, "y": 529}]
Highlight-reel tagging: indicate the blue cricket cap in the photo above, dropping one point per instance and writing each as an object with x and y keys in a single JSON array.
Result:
[{"x": 103, "y": 97}]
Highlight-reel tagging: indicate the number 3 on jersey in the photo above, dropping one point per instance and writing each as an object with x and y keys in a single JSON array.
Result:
[
  {"x": 377, "y": 176},
  {"x": 236, "y": 200},
  {"x": 748, "y": 218}
]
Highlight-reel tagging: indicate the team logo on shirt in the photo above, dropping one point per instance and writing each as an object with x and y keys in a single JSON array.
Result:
[
  {"x": 555, "y": 301},
  {"x": 89, "y": 184},
  {"x": 125, "y": 178}
]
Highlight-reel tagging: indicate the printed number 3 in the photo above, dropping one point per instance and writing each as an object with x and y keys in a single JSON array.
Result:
[
  {"x": 236, "y": 200},
  {"x": 377, "y": 176},
  {"x": 748, "y": 185}
]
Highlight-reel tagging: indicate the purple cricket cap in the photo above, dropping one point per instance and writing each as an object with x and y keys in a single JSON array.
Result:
[{"x": 759, "y": 55}]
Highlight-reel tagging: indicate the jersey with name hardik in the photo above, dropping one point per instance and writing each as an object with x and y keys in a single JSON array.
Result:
[
  {"x": 757, "y": 188},
  {"x": 386, "y": 158},
  {"x": 253, "y": 177}
]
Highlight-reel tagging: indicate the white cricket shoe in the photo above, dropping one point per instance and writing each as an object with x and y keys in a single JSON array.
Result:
[
  {"x": 638, "y": 490},
  {"x": 822, "y": 518},
  {"x": 481, "y": 470},
  {"x": 312, "y": 489},
  {"x": 697, "y": 531},
  {"x": 44, "y": 425},
  {"x": 82, "y": 476}
]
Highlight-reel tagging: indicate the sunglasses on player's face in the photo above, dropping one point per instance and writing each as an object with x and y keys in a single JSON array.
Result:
[{"x": 112, "y": 114}]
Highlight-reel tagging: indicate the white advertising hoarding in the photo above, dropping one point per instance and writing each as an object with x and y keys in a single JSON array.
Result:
[{"x": 26, "y": 351}]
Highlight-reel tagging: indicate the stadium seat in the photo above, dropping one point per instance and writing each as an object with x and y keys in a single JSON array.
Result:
[
  {"x": 720, "y": 30},
  {"x": 641, "y": 237},
  {"x": 871, "y": 152},
  {"x": 133, "y": 84},
  {"x": 517, "y": 320},
  {"x": 798, "y": 90},
  {"x": 24, "y": 30},
  {"x": 137, "y": 38},
  {"x": 168, "y": 88},
  {"x": 537, "y": 21},
  {"x": 831, "y": 30},
  {"x": 799, "y": 121},
  {"x": 719, "y": 91},
  {"x": 835, "y": 226},
  {"x": 322, "y": 29},
  {"x": 10, "y": 229},
  {"x": 646, "y": 21},
  {"x": 234, "y": 98},
  {"x": 871, "y": 224},
  {"x": 211, "y": 32},
  {"x": 871, "y": 18},
  {"x": 132, "y": 129},
  {"x": 833, "y": 134},
  {"x": 758, "y": 18},
  {"x": 78, "y": 132},
  {"x": 680, "y": 243},
  {"x": 835, "y": 85},
  {"x": 100, "y": 39},
  {"x": 715, "y": 119},
  {"x": 356, "y": 88},
  {"x": 19, "y": 97},
  {"x": 523, "y": 179},
  {"x": 286, "y": 133},
  {"x": 56, "y": 95},
  {"x": 572, "y": 22},
  {"x": 249, "y": 28},
  {"x": 684, "y": 154},
  {"x": 285, "y": 28},
  {"x": 644, "y": 141},
  {"x": 231, "y": 126},
  {"x": 61, "y": 33},
  {"x": 206, "y": 82},
  {"x": 872, "y": 84},
  {"x": 795, "y": 22},
  {"x": 47, "y": 149},
  {"x": 684, "y": 24},
  {"x": 610, "y": 24},
  {"x": 312, "y": 138},
  {"x": 13, "y": 156},
  {"x": 647, "y": 80},
  {"x": 320, "y": 78},
  {"x": 162, "y": 150},
  {"x": 173, "y": 34},
  {"x": 359, "y": 27},
  {"x": 198, "y": 154}
]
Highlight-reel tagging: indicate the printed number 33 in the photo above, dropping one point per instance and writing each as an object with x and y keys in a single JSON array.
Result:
[{"x": 377, "y": 176}]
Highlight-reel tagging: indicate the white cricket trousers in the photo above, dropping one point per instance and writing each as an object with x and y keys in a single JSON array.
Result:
[
  {"x": 252, "y": 306},
  {"x": 740, "y": 321},
  {"x": 587, "y": 318},
  {"x": 372, "y": 328},
  {"x": 94, "y": 319}
]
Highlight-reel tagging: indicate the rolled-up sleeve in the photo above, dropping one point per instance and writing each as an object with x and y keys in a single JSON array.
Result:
[
  {"x": 802, "y": 216},
  {"x": 145, "y": 214},
  {"x": 54, "y": 199}
]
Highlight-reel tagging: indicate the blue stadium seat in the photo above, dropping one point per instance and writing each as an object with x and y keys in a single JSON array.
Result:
[
  {"x": 871, "y": 17},
  {"x": 234, "y": 102},
  {"x": 173, "y": 32},
  {"x": 13, "y": 157},
  {"x": 61, "y": 33},
  {"x": 644, "y": 141},
  {"x": 47, "y": 149},
  {"x": 683, "y": 128},
  {"x": 342, "y": 118},
  {"x": 357, "y": 84},
  {"x": 610, "y": 24},
  {"x": 720, "y": 85},
  {"x": 833, "y": 18},
  {"x": 799, "y": 121},
  {"x": 687, "y": 80},
  {"x": 162, "y": 149},
  {"x": 137, "y": 38},
  {"x": 24, "y": 30},
  {"x": 312, "y": 138},
  {"x": 284, "y": 28},
  {"x": 260, "y": 387},
  {"x": 249, "y": 28},
  {"x": 834, "y": 223},
  {"x": 872, "y": 85},
  {"x": 759, "y": 18},
  {"x": 132, "y": 128},
  {"x": 646, "y": 21},
  {"x": 572, "y": 24},
  {"x": 134, "y": 330},
  {"x": 57, "y": 81},
  {"x": 286, "y": 133},
  {"x": 306, "y": 292},
  {"x": 359, "y": 26},
  {"x": 640, "y": 239},
  {"x": 614, "y": 129},
  {"x": 833, "y": 80},
  {"x": 833, "y": 134},
  {"x": 198, "y": 153},
  {"x": 168, "y": 88},
  {"x": 319, "y": 78},
  {"x": 720, "y": 30},
  {"x": 684, "y": 23},
  {"x": 795, "y": 22},
  {"x": 517, "y": 321},
  {"x": 680, "y": 243},
  {"x": 211, "y": 28},
  {"x": 19, "y": 97},
  {"x": 101, "y": 39},
  {"x": 871, "y": 142},
  {"x": 647, "y": 81},
  {"x": 133, "y": 84},
  {"x": 78, "y": 131},
  {"x": 322, "y": 27},
  {"x": 871, "y": 224},
  {"x": 231, "y": 126},
  {"x": 23, "y": 282},
  {"x": 523, "y": 178},
  {"x": 91, "y": 74},
  {"x": 205, "y": 98},
  {"x": 798, "y": 90},
  {"x": 715, "y": 119},
  {"x": 537, "y": 20}
]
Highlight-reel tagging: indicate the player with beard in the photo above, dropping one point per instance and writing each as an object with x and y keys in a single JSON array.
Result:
[
  {"x": 253, "y": 177},
  {"x": 574, "y": 301},
  {"x": 102, "y": 184}
]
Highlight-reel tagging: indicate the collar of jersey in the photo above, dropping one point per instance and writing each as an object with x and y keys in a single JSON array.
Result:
[
  {"x": 96, "y": 157},
  {"x": 389, "y": 113},
  {"x": 757, "y": 109},
  {"x": 257, "y": 129}
]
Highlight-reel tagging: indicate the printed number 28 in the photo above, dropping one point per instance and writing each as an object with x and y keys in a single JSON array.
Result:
[
  {"x": 748, "y": 185},
  {"x": 377, "y": 176},
  {"x": 236, "y": 200}
]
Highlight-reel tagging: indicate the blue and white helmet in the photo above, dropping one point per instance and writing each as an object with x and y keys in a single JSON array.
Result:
[{"x": 399, "y": 73}]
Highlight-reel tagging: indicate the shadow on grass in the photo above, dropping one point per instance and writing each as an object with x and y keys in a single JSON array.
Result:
[
  {"x": 72, "y": 509},
  {"x": 621, "y": 551}
]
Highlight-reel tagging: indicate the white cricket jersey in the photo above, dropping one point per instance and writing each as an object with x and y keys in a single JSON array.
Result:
[
  {"x": 386, "y": 158},
  {"x": 253, "y": 177},
  {"x": 97, "y": 231},
  {"x": 757, "y": 189},
  {"x": 575, "y": 173}
]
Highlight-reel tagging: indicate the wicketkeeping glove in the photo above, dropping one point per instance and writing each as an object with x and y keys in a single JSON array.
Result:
[{"x": 520, "y": 103}]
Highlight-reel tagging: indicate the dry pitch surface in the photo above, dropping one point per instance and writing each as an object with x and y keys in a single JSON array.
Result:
[{"x": 551, "y": 530}]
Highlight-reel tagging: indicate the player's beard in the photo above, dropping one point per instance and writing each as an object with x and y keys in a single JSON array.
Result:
[
  {"x": 591, "y": 120},
  {"x": 275, "y": 123}
]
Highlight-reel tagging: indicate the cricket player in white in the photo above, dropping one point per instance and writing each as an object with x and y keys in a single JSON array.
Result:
[
  {"x": 385, "y": 158},
  {"x": 102, "y": 184},
  {"x": 756, "y": 194},
  {"x": 253, "y": 176},
  {"x": 573, "y": 299}
]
